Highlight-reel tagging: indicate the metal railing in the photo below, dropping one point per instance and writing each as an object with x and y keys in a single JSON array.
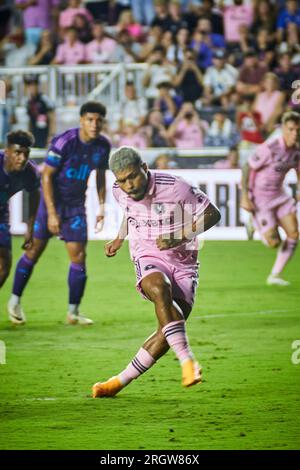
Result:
[{"x": 71, "y": 85}]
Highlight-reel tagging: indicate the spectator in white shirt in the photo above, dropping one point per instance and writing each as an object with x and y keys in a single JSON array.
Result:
[{"x": 219, "y": 80}]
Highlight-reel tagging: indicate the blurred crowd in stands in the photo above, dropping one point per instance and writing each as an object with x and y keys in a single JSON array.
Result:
[{"x": 219, "y": 73}]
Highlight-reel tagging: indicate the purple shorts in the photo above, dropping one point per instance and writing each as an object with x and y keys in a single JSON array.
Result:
[
  {"x": 5, "y": 237},
  {"x": 184, "y": 280},
  {"x": 73, "y": 223},
  {"x": 269, "y": 210}
]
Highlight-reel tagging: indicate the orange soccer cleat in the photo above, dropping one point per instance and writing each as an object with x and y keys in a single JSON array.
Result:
[
  {"x": 191, "y": 373},
  {"x": 107, "y": 389}
]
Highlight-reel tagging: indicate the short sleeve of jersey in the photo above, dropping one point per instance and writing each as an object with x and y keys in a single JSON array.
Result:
[
  {"x": 193, "y": 200},
  {"x": 55, "y": 153},
  {"x": 120, "y": 196},
  {"x": 32, "y": 178},
  {"x": 260, "y": 157}
]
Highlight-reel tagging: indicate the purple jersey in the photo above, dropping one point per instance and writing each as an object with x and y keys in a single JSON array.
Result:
[
  {"x": 271, "y": 161},
  {"x": 74, "y": 161},
  {"x": 169, "y": 205},
  {"x": 11, "y": 183}
]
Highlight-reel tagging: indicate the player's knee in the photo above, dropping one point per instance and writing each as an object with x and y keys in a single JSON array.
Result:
[
  {"x": 293, "y": 235},
  {"x": 33, "y": 254},
  {"x": 273, "y": 242},
  {"x": 4, "y": 273},
  {"x": 160, "y": 289},
  {"x": 35, "y": 251},
  {"x": 79, "y": 257}
]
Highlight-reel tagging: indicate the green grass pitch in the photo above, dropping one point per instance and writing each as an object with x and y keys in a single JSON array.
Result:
[{"x": 240, "y": 330}]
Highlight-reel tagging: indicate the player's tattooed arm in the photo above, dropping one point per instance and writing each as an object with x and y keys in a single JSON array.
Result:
[
  {"x": 113, "y": 246},
  {"x": 246, "y": 202},
  {"x": 101, "y": 190},
  {"x": 209, "y": 217},
  {"x": 48, "y": 191},
  {"x": 34, "y": 199}
]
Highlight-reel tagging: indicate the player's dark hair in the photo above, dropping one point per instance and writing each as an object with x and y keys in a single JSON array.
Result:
[
  {"x": 291, "y": 116},
  {"x": 93, "y": 107},
  {"x": 23, "y": 138}
]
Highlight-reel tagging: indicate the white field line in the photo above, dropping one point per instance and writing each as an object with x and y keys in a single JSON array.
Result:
[{"x": 225, "y": 315}]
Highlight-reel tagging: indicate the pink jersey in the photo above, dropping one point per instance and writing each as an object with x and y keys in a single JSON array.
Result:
[
  {"x": 66, "y": 17},
  {"x": 271, "y": 161},
  {"x": 68, "y": 55},
  {"x": 235, "y": 16},
  {"x": 188, "y": 135},
  {"x": 137, "y": 141},
  {"x": 100, "y": 51},
  {"x": 169, "y": 205}
]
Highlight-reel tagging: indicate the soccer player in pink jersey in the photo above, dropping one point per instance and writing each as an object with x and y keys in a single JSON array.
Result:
[
  {"x": 263, "y": 193},
  {"x": 163, "y": 215}
]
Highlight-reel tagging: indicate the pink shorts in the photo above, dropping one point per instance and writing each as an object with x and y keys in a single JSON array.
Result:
[
  {"x": 269, "y": 210},
  {"x": 184, "y": 281}
]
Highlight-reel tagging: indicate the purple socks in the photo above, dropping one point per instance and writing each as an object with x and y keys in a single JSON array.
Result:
[
  {"x": 22, "y": 275},
  {"x": 77, "y": 280}
]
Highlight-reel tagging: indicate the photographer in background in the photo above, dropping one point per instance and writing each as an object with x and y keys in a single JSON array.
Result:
[
  {"x": 187, "y": 131},
  {"x": 40, "y": 113}
]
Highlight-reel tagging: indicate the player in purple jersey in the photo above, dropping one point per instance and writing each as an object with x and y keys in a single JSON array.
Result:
[
  {"x": 162, "y": 216},
  {"x": 70, "y": 159},
  {"x": 16, "y": 173},
  {"x": 264, "y": 196}
]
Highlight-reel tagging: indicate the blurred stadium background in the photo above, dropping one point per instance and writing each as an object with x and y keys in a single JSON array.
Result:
[{"x": 196, "y": 85}]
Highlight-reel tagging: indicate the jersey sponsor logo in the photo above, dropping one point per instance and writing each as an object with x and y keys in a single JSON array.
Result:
[
  {"x": 82, "y": 173},
  {"x": 150, "y": 266},
  {"x": 150, "y": 222}
]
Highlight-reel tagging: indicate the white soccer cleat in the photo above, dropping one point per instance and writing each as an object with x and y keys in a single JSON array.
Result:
[
  {"x": 16, "y": 314},
  {"x": 275, "y": 280},
  {"x": 73, "y": 319}
]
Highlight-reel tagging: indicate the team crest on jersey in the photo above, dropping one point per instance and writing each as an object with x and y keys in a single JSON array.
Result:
[
  {"x": 96, "y": 158},
  {"x": 159, "y": 208}
]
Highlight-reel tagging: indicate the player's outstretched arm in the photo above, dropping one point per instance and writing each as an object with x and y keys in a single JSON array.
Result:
[
  {"x": 246, "y": 202},
  {"x": 101, "y": 190},
  {"x": 48, "y": 190},
  {"x": 111, "y": 248},
  {"x": 209, "y": 217},
  {"x": 34, "y": 199}
]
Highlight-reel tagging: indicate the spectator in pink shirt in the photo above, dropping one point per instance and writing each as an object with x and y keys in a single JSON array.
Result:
[
  {"x": 66, "y": 17},
  {"x": 37, "y": 16},
  {"x": 130, "y": 135},
  {"x": 231, "y": 162},
  {"x": 270, "y": 101},
  {"x": 102, "y": 49},
  {"x": 234, "y": 16},
  {"x": 127, "y": 22},
  {"x": 72, "y": 51},
  {"x": 187, "y": 130}
]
